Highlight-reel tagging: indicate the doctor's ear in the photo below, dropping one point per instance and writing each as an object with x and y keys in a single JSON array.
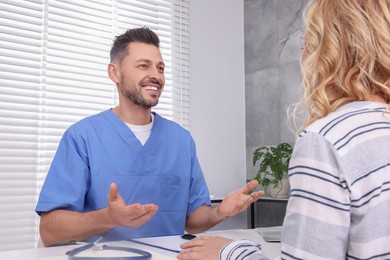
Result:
[{"x": 113, "y": 72}]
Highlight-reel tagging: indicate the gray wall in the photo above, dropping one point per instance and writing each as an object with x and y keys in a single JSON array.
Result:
[
  {"x": 272, "y": 33},
  {"x": 237, "y": 106}
]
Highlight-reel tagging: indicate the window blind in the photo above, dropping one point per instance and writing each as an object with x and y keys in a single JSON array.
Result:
[{"x": 53, "y": 72}]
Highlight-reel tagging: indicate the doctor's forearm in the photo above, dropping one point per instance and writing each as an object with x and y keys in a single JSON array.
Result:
[
  {"x": 62, "y": 226},
  {"x": 202, "y": 219}
]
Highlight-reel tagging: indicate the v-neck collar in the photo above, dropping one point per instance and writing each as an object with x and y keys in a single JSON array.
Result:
[{"x": 128, "y": 136}]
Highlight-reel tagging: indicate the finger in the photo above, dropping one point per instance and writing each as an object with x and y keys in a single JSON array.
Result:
[
  {"x": 186, "y": 255},
  {"x": 150, "y": 209},
  {"x": 139, "y": 210},
  {"x": 250, "y": 186},
  {"x": 244, "y": 203},
  {"x": 256, "y": 195},
  {"x": 188, "y": 244},
  {"x": 113, "y": 192},
  {"x": 198, "y": 241},
  {"x": 142, "y": 214},
  {"x": 136, "y": 222}
]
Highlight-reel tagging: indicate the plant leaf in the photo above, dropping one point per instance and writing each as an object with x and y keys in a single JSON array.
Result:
[{"x": 273, "y": 163}]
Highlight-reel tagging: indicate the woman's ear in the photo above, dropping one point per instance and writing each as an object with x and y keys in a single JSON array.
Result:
[{"x": 113, "y": 72}]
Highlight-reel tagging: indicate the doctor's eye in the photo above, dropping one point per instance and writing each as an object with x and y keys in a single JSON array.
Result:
[{"x": 161, "y": 69}]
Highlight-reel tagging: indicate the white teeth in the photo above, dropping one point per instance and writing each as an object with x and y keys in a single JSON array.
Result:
[{"x": 151, "y": 88}]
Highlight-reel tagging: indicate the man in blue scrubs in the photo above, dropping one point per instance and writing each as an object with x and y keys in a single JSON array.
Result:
[{"x": 147, "y": 164}]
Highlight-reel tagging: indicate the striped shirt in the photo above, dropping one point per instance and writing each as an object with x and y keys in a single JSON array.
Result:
[
  {"x": 340, "y": 187},
  {"x": 242, "y": 249}
]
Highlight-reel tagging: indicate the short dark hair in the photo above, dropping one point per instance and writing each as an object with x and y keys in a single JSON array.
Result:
[{"x": 142, "y": 34}]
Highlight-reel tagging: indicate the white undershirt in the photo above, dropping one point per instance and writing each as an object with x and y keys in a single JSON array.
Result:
[{"x": 142, "y": 132}]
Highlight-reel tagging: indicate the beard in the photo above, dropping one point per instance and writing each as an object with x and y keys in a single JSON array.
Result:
[{"x": 135, "y": 95}]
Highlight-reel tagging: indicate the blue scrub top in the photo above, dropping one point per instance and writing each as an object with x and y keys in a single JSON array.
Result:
[{"x": 101, "y": 149}]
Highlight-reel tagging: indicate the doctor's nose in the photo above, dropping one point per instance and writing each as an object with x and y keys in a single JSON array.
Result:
[{"x": 156, "y": 74}]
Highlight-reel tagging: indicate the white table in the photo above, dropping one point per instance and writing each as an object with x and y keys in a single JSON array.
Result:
[{"x": 272, "y": 250}]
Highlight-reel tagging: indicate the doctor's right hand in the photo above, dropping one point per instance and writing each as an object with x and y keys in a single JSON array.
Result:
[{"x": 133, "y": 215}]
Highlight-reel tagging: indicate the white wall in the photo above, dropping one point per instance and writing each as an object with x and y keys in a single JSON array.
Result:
[{"x": 218, "y": 95}]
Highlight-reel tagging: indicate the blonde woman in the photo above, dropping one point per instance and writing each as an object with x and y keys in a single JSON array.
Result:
[{"x": 340, "y": 169}]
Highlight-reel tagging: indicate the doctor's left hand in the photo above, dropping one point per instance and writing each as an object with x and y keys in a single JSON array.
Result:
[
  {"x": 133, "y": 215},
  {"x": 239, "y": 200}
]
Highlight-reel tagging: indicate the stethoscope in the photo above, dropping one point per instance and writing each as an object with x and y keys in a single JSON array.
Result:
[{"x": 72, "y": 254}]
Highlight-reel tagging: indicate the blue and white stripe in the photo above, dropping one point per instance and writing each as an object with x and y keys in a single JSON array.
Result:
[
  {"x": 340, "y": 187},
  {"x": 240, "y": 250}
]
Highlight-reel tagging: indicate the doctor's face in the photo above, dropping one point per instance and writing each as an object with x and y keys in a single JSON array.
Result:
[{"x": 142, "y": 79}]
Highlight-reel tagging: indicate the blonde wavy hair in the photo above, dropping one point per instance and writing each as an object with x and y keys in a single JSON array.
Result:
[{"x": 348, "y": 54}]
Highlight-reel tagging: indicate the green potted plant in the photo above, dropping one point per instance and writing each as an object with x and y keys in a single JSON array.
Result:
[{"x": 273, "y": 165}]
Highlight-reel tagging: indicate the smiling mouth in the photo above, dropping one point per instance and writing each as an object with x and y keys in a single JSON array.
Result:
[{"x": 151, "y": 88}]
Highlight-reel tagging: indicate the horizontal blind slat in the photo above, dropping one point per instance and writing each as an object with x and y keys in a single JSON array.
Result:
[{"x": 52, "y": 77}]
